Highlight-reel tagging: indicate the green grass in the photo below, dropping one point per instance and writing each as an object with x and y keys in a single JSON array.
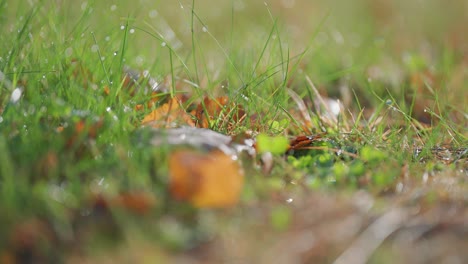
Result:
[{"x": 399, "y": 71}]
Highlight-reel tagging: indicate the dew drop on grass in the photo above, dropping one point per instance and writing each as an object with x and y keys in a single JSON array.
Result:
[
  {"x": 122, "y": 27},
  {"x": 289, "y": 200},
  {"x": 108, "y": 109},
  {"x": 107, "y": 38},
  {"x": 103, "y": 58},
  {"x": 113, "y": 7},
  {"x": 68, "y": 52},
  {"x": 83, "y": 5},
  {"x": 1, "y": 119},
  {"x": 94, "y": 48},
  {"x": 139, "y": 60},
  {"x": 115, "y": 53},
  {"x": 153, "y": 13},
  {"x": 389, "y": 102},
  {"x": 163, "y": 44},
  {"x": 16, "y": 95},
  {"x": 132, "y": 31},
  {"x": 204, "y": 29}
]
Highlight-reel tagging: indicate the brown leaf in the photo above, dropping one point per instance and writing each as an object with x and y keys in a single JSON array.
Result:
[
  {"x": 139, "y": 203},
  {"x": 205, "y": 179},
  {"x": 168, "y": 115},
  {"x": 219, "y": 109},
  {"x": 81, "y": 129}
]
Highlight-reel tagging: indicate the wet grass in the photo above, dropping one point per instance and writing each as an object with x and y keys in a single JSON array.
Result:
[{"x": 383, "y": 85}]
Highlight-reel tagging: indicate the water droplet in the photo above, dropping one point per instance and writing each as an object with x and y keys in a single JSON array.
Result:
[
  {"x": 139, "y": 60},
  {"x": 103, "y": 58},
  {"x": 204, "y": 29},
  {"x": 107, "y": 38},
  {"x": 16, "y": 95},
  {"x": 68, "y": 52},
  {"x": 108, "y": 109},
  {"x": 153, "y": 13},
  {"x": 94, "y": 48},
  {"x": 113, "y": 7},
  {"x": 163, "y": 44},
  {"x": 43, "y": 76},
  {"x": 84, "y": 5},
  {"x": 122, "y": 27},
  {"x": 1, "y": 119},
  {"x": 115, "y": 53},
  {"x": 181, "y": 6},
  {"x": 132, "y": 31},
  {"x": 289, "y": 200}
]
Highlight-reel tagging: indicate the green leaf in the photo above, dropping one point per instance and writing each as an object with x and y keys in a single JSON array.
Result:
[{"x": 275, "y": 145}]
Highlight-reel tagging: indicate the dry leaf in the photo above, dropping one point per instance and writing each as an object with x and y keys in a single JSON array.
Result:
[
  {"x": 137, "y": 202},
  {"x": 205, "y": 179},
  {"x": 169, "y": 114},
  {"x": 218, "y": 109}
]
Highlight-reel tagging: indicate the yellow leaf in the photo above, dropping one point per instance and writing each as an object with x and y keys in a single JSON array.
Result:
[
  {"x": 205, "y": 179},
  {"x": 168, "y": 115}
]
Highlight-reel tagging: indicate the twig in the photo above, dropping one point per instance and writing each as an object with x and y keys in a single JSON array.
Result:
[{"x": 369, "y": 240}]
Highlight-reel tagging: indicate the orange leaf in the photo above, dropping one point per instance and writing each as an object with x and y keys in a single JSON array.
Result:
[
  {"x": 168, "y": 115},
  {"x": 217, "y": 109},
  {"x": 140, "y": 203},
  {"x": 205, "y": 179}
]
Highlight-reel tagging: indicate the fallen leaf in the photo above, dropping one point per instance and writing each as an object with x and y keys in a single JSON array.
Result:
[
  {"x": 169, "y": 114},
  {"x": 205, "y": 179},
  {"x": 81, "y": 129},
  {"x": 139, "y": 203},
  {"x": 218, "y": 110}
]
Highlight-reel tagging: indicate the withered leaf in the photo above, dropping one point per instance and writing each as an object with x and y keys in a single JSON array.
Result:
[
  {"x": 211, "y": 179},
  {"x": 169, "y": 114},
  {"x": 218, "y": 110}
]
